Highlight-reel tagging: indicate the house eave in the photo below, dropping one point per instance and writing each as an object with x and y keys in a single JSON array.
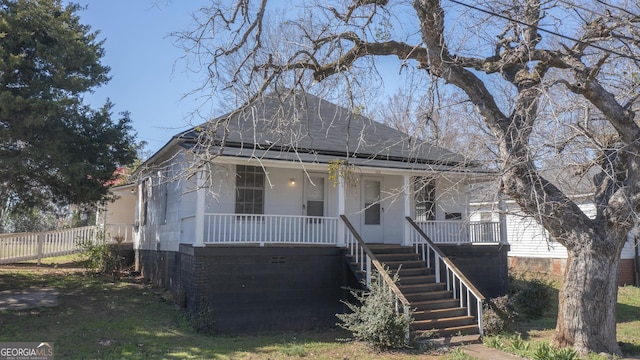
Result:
[
  {"x": 320, "y": 162},
  {"x": 170, "y": 147}
]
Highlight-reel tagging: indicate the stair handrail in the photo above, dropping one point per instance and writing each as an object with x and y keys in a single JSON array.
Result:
[
  {"x": 360, "y": 251},
  {"x": 450, "y": 266}
]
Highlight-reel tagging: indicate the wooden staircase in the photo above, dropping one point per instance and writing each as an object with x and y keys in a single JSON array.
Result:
[{"x": 435, "y": 310}]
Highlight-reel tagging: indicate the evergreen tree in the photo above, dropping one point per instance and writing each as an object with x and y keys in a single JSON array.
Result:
[{"x": 53, "y": 147}]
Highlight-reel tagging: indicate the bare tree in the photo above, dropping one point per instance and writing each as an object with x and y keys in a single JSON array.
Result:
[
  {"x": 434, "y": 117},
  {"x": 512, "y": 59}
]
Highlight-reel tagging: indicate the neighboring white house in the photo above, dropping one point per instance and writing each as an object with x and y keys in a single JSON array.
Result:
[
  {"x": 116, "y": 216},
  {"x": 531, "y": 247},
  {"x": 273, "y": 197}
]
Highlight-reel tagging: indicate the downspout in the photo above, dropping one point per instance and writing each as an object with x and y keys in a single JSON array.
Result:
[
  {"x": 406, "y": 202},
  {"x": 502, "y": 219},
  {"x": 341, "y": 241}
]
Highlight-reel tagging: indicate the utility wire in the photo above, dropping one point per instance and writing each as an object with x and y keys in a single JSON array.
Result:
[
  {"x": 571, "y": 4},
  {"x": 489, "y": 12},
  {"x": 617, "y": 7}
]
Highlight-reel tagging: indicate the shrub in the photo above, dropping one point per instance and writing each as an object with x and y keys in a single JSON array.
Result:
[
  {"x": 531, "y": 297},
  {"x": 375, "y": 320},
  {"x": 203, "y": 321},
  {"x": 103, "y": 258},
  {"x": 497, "y": 315}
]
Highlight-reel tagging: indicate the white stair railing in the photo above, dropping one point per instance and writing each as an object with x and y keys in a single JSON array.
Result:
[
  {"x": 367, "y": 263},
  {"x": 457, "y": 283}
]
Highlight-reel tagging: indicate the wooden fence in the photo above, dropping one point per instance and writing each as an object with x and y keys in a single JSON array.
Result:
[{"x": 36, "y": 246}]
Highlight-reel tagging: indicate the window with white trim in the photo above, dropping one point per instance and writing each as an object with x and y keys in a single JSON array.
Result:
[
  {"x": 425, "y": 198},
  {"x": 249, "y": 189}
]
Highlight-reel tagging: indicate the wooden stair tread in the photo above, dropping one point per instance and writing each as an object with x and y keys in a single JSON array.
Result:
[
  {"x": 436, "y": 301},
  {"x": 439, "y": 320},
  {"x": 437, "y": 311},
  {"x": 453, "y": 330}
]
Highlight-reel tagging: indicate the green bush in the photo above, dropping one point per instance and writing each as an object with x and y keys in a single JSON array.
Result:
[
  {"x": 203, "y": 321},
  {"x": 103, "y": 258},
  {"x": 497, "y": 315},
  {"x": 375, "y": 320},
  {"x": 531, "y": 297}
]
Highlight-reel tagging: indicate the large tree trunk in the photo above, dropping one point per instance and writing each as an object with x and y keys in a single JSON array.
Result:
[{"x": 587, "y": 301}]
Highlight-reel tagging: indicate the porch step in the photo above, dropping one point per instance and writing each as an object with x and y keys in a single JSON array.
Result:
[
  {"x": 412, "y": 272},
  {"x": 439, "y": 313},
  {"x": 450, "y": 331},
  {"x": 421, "y": 287},
  {"x": 390, "y": 249},
  {"x": 384, "y": 258},
  {"x": 404, "y": 264},
  {"x": 419, "y": 279},
  {"x": 450, "y": 322},
  {"x": 435, "y": 304},
  {"x": 435, "y": 312},
  {"x": 427, "y": 295}
]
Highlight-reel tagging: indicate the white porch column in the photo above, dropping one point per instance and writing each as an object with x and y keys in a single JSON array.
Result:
[
  {"x": 201, "y": 194},
  {"x": 341, "y": 211},
  {"x": 406, "y": 203},
  {"x": 502, "y": 218}
]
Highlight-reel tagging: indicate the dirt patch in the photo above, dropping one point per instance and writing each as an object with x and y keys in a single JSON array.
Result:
[{"x": 28, "y": 298}]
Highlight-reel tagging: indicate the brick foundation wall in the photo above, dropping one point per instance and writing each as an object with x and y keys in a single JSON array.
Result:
[
  {"x": 627, "y": 272},
  {"x": 557, "y": 266},
  {"x": 253, "y": 289},
  {"x": 486, "y": 266}
]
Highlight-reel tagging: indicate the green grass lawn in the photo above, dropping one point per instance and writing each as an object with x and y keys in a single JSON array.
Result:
[
  {"x": 525, "y": 336},
  {"x": 101, "y": 319},
  {"x": 98, "y": 318}
]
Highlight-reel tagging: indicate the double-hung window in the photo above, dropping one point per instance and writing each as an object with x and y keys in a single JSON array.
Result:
[
  {"x": 425, "y": 198},
  {"x": 249, "y": 190}
]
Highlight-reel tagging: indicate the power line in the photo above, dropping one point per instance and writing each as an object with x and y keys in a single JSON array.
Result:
[
  {"x": 617, "y": 7},
  {"x": 572, "y": 4},
  {"x": 489, "y": 12}
]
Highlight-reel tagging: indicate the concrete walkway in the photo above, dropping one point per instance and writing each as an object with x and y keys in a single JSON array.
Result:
[
  {"x": 482, "y": 352},
  {"x": 28, "y": 298}
]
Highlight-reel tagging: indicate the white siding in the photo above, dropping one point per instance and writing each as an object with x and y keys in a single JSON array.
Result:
[{"x": 527, "y": 238}]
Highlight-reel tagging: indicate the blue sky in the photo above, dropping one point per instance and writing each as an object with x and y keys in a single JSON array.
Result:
[{"x": 141, "y": 55}]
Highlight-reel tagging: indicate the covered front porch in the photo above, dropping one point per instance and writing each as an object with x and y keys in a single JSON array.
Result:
[{"x": 285, "y": 205}]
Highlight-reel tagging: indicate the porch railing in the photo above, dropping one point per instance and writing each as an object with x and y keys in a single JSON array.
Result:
[
  {"x": 118, "y": 232},
  {"x": 459, "y": 231},
  {"x": 293, "y": 229},
  {"x": 36, "y": 246},
  {"x": 367, "y": 264},
  {"x": 446, "y": 271},
  {"x": 268, "y": 229}
]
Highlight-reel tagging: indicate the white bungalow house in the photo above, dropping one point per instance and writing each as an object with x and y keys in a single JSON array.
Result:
[{"x": 302, "y": 199}]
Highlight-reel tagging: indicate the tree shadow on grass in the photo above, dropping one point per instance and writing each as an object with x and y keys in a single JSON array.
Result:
[{"x": 100, "y": 318}]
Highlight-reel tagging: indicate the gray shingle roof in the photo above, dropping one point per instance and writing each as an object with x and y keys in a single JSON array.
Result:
[{"x": 307, "y": 124}]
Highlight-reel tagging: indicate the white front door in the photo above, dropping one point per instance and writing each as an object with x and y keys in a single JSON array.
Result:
[
  {"x": 372, "y": 215},
  {"x": 314, "y": 193}
]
